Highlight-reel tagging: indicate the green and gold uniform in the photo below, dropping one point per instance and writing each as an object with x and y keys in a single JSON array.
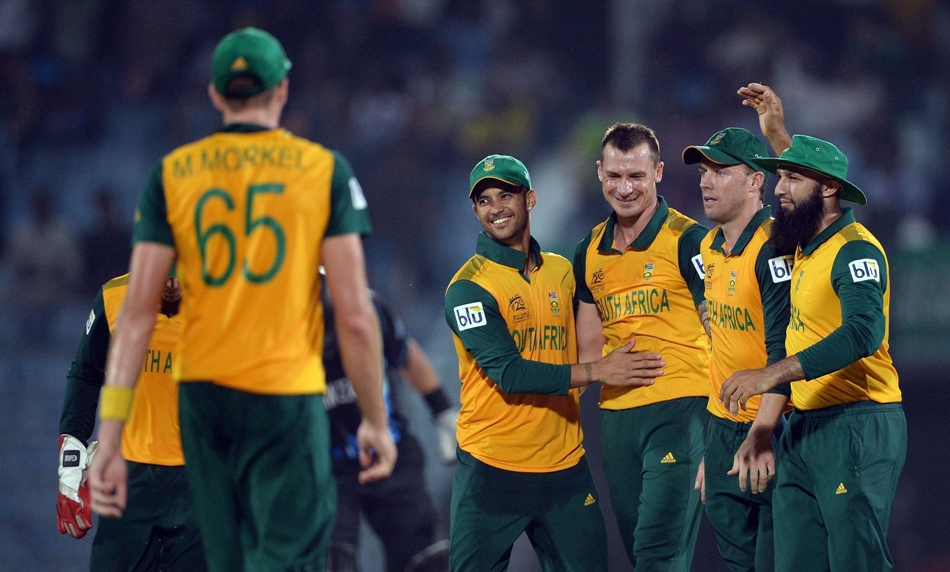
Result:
[
  {"x": 844, "y": 448},
  {"x": 653, "y": 436},
  {"x": 157, "y": 531},
  {"x": 748, "y": 304},
  {"x": 521, "y": 458},
  {"x": 247, "y": 209}
]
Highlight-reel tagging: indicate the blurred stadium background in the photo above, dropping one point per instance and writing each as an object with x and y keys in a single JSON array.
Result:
[{"x": 415, "y": 92}]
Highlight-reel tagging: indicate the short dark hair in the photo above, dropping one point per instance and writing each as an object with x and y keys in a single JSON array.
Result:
[
  {"x": 242, "y": 84},
  {"x": 627, "y": 136}
]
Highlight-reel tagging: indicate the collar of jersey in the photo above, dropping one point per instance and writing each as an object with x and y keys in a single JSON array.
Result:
[
  {"x": 846, "y": 218},
  {"x": 747, "y": 233},
  {"x": 242, "y": 128},
  {"x": 646, "y": 237},
  {"x": 504, "y": 255}
]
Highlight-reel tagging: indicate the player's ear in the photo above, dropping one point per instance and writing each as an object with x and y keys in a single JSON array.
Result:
[
  {"x": 531, "y": 198},
  {"x": 217, "y": 100}
]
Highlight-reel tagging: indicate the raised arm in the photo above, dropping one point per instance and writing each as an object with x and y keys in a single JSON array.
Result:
[{"x": 767, "y": 104}]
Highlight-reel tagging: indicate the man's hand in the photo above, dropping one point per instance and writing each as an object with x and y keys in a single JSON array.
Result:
[
  {"x": 108, "y": 473},
  {"x": 755, "y": 461},
  {"x": 73, "y": 508},
  {"x": 700, "y": 484},
  {"x": 445, "y": 426},
  {"x": 742, "y": 385},
  {"x": 377, "y": 452},
  {"x": 621, "y": 368},
  {"x": 771, "y": 115}
]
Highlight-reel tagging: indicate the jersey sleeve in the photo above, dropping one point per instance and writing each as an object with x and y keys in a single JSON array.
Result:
[
  {"x": 774, "y": 291},
  {"x": 581, "y": 292},
  {"x": 395, "y": 339},
  {"x": 859, "y": 277},
  {"x": 494, "y": 349},
  {"x": 691, "y": 261},
  {"x": 348, "y": 212},
  {"x": 151, "y": 215},
  {"x": 86, "y": 376}
]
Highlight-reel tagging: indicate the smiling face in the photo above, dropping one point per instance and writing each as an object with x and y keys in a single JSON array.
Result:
[
  {"x": 503, "y": 211},
  {"x": 729, "y": 191},
  {"x": 628, "y": 180}
]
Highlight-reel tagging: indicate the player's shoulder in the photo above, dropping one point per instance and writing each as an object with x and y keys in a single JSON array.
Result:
[
  {"x": 680, "y": 223},
  {"x": 117, "y": 282},
  {"x": 856, "y": 232},
  {"x": 471, "y": 271},
  {"x": 557, "y": 263}
]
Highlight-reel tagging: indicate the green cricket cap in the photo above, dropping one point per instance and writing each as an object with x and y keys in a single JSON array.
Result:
[
  {"x": 731, "y": 146},
  {"x": 500, "y": 167},
  {"x": 821, "y": 157},
  {"x": 248, "y": 52}
]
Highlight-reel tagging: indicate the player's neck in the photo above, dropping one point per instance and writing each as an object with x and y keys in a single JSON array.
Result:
[
  {"x": 733, "y": 229},
  {"x": 628, "y": 229},
  {"x": 263, "y": 116}
]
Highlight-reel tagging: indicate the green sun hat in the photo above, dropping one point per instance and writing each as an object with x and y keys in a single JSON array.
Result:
[
  {"x": 821, "y": 157},
  {"x": 248, "y": 52},
  {"x": 731, "y": 146},
  {"x": 500, "y": 167}
]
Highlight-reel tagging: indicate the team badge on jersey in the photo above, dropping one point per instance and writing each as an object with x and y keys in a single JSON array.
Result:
[
  {"x": 469, "y": 316},
  {"x": 698, "y": 265},
  {"x": 555, "y": 307},
  {"x": 781, "y": 268},
  {"x": 865, "y": 269},
  {"x": 732, "y": 282},
  {"x": 89, "y": 322},
  {"x": 648, "y": 271}
]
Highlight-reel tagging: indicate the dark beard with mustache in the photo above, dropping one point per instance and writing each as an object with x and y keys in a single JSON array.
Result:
[{"x": 797, "y": 228}]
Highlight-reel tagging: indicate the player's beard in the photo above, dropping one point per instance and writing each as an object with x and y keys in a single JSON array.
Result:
[{"x": 798, "y": 227}]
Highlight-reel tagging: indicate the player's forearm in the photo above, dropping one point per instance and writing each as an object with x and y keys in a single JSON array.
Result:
[
  {"x": 784, "y": 371},
  {"x": 418, "y": 371},
  {"x": 770, "y": 409},
  {"x": 130, "y": 337},
  {"x": 361, "y": 350}
]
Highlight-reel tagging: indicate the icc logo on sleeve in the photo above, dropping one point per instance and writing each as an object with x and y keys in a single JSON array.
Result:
[
  {"x": 469, "y": 316},
  {"x": 865, "y": 269},
  {"x": 781, "y": 268}
]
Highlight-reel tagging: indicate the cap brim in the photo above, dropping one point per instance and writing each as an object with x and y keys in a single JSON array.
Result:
[
  {"x": 849, "y": 191},
  {"x": 695, "y": 153},
  {"x": 495, "y": 177}
]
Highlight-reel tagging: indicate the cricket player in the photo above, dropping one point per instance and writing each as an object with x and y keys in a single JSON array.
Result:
[
  {"x": 640, "y": 272},
  {"x": 250, "y": 213},
  {"x": 746, "y": 291},
  {"x": 521, "y": 464}
]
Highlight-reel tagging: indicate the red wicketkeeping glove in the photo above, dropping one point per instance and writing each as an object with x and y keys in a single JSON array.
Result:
[{"x": 73, "y": 509}]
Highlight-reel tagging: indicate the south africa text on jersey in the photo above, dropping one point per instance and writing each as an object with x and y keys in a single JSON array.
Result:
[
  {"x": 234, "y": 158},
  {"x": 729, "y": 317},
  {"x": 157, "y": 361},
  {"x": 632, "y": 303},
  {"x": 549, "y": 338}
]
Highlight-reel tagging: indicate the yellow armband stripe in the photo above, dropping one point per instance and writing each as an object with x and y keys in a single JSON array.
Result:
[{"x": 116, "y": 402}]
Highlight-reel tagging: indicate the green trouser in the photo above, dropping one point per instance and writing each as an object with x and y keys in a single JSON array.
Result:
[
  {"x": 559, "y": 512},
  {"x": 157, "y": 530},
  {"x": 835, "y": 482},
  {"x": 259, "y": 467},
  {"x": 742, "y": 520},
  {"x": 651, "y": 457}
]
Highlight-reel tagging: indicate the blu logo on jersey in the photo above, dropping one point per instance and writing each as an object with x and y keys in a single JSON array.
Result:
[
  {"x": 698, "y": 265},
  {"x": 865, "y": 269},
  {"x": 781, "y": 268},
  {"x": 469, "y": 316}
]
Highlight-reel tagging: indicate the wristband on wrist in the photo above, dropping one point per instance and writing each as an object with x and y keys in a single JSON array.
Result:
[
  {"x": 437, "y": 401},
  {"x": 116, "y": 402}
]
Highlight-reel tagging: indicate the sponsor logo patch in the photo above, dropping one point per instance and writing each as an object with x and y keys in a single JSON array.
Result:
[
  {"x": 71, "y": 458},
  {"x": 698, "y": 265},
  {"x": 468, "y": 316},
  {"x": 781, "y": 268},
  {"x": 865, "y": 269}
]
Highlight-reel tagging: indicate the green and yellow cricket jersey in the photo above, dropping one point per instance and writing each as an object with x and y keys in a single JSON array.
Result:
[
  {"x": 151, "y": 434},
  {"x": 649, "y": 290},
  {"x": 514, "y": 336},
  {"x": 840, "y": 314},
  {"x": 747, "y": 299},
  {"x": 247, "y": 209}
]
